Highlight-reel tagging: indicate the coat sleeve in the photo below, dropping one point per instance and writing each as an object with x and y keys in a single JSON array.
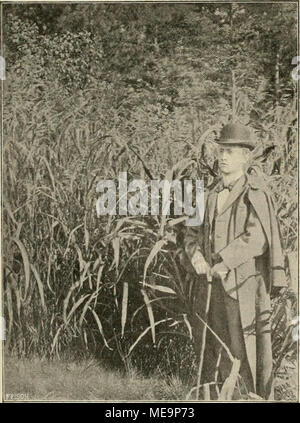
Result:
[{"x": 251, "y": 243}]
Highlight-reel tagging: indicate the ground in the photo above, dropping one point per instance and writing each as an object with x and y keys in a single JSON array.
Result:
[
  {"x": 59, "y": 380},
  {"x": 62, "y": 380}
]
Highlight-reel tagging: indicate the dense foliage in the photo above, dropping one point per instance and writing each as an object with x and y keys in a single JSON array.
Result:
[{"x": 93, "y": 90}]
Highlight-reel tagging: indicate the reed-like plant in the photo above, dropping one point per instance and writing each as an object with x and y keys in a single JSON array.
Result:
[{"x": 75, "y": 283}]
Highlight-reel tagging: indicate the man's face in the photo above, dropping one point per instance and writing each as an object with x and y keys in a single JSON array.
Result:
[{"x": 232, "y": 159}]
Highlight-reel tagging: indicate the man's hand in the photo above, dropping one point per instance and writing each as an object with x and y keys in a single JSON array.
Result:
[
  {"x": 200, "y": 264},
  {"x": 220, "y": 270}
]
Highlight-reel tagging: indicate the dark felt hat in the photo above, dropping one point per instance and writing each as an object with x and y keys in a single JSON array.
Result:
[{"x": 236, "y": 134}]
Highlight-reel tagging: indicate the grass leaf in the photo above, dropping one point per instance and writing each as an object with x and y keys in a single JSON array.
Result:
[
  {"x": 160, "y": 288},
  {"x": 150, "y": 314},
  {"x": 99, "y": 324},
  {"x": 40, "y": 287},
  {"x": 26, "y": 264},
  {"x": 124, "y": 307},
  {"x": 144, "y": 333},
  {"x": 157, "y": 247}
]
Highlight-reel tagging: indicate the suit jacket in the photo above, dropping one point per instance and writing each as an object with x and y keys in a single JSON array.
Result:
[{"x": 245, "y": 236}]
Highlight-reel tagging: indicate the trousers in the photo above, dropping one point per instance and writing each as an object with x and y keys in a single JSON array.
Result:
[{"x": 224, "y": 320}]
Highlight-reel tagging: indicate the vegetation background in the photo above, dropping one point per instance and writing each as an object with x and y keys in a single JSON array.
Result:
[{"x": 95, "y": 89}]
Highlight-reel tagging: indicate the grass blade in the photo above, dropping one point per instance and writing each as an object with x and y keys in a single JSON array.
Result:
[
  {"x": 124, "y": 307},
  {"x": 116, "y": 247},
  {"x": 157, "y": 247},
  {"x": 150, "y": 314},
  {"x": 99, "y": 324},
  {"x": 40, "y": 287},
  {"x": 160, "y": 288},
  {"x": 144, "y": 333},
  {"x": 26, "y": 264}
]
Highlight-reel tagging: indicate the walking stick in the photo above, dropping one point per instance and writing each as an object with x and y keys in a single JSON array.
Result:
[{"x": 209, "y": 287}]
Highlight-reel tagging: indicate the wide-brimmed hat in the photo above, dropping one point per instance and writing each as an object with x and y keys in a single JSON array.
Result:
[{"x": 236, "y": 134}]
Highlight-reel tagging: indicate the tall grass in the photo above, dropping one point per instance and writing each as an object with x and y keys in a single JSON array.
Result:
[{"x": 111, "y": 285}]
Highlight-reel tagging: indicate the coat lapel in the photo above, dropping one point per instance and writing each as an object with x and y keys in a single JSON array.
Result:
[
  {"x": 234, "y": 193},
  {"x": 211, "y": 204}
]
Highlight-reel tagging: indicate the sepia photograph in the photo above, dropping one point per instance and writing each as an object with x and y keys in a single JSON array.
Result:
[{"x": 149, "y": 203}]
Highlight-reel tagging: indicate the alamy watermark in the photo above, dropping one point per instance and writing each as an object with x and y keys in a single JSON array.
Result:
[{"x": 137, "y": 198}]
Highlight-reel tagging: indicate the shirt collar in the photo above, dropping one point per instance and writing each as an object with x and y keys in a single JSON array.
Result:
[{"x": 221, "y": 186}]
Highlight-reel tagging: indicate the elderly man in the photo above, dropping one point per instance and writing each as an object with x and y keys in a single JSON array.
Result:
[{"x": 239, "y": 244}]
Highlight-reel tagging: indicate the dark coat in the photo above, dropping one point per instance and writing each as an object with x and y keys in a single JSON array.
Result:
[{"x": 245, "y": 236}]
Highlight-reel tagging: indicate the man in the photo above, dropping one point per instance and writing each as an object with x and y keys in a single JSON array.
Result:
[{"x": 238, "y": 243}]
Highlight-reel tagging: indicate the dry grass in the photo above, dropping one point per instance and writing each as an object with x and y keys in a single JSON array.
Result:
[
  {"x": 40, "y": 380},
  {"x": 66, "y": 380}
]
